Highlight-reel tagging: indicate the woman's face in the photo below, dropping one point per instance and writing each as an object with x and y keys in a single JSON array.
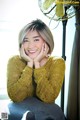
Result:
[{"x": 32, "y": 44}]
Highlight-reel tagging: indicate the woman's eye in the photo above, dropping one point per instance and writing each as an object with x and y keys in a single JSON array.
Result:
[
  {"x": 25, "y": 40},
  {"x": 36, "y": 40}
]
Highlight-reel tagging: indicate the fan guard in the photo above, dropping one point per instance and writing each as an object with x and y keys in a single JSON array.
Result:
[{"x": 68, "y": 6}]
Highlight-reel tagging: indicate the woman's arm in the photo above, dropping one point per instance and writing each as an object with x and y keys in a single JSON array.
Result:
[
  {"x": 19, "y": 79},
  {"x": 49, "y": 81}
]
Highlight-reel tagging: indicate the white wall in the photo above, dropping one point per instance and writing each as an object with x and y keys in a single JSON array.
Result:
[{"x": 14, "y": 14}]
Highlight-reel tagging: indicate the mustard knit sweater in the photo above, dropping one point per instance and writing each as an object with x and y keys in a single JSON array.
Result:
[{"x": 44, "y": 82}]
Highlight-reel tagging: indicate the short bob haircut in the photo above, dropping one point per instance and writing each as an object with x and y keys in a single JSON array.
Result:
[{"x": 43, "y": 31}]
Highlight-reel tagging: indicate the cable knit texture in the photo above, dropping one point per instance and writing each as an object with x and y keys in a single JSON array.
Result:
[{"x": 44, "y": 82}]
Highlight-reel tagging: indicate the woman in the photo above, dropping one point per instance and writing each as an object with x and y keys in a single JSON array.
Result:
[{"x": 35, "y": 72}]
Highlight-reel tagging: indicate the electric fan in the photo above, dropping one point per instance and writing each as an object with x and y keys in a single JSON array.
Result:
[
  {"x": 60, "y": 10},
  {"x": 56, "y": 9}
]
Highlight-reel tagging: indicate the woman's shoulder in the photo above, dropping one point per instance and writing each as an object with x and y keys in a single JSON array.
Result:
[
  {"x": 57, "y": 62},
  {"x": 57, "y": 59},
  {"x": 15, "y": 59}
]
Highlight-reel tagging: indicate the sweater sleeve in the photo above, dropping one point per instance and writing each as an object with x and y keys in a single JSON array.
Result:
[
  {"x": 19, "y": 80},
  {"x": 49, "y": 81}
]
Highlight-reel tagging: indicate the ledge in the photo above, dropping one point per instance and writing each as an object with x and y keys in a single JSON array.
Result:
[{"x": 3, "y": 94}]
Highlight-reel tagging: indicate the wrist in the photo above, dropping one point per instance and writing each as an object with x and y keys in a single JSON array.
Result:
[
  {"x": 30, "y": 64},
  {"x": 37, "y": 64}
]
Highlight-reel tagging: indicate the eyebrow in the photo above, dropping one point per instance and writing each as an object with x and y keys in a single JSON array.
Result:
[
  {"x": 36, "y": 36},
  {"x": 33, "y": 37}
]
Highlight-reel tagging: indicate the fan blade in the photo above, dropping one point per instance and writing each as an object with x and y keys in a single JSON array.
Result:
[
  {"x": 60, "y": 10},
  {"x": 47, "y": 4}
]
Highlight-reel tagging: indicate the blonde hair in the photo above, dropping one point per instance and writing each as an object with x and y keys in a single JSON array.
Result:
[{"x": 43, "y": 31}]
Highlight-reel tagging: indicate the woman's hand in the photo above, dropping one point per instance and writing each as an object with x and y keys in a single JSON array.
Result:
[
  {"x": 43, "y": 53},
  {"x": 26, "y": 57}
]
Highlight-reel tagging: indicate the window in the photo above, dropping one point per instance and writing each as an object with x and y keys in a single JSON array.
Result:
[{"x": 14, "y": 14}]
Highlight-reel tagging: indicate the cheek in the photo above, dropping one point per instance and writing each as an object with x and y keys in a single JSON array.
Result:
[
  {"x": 25, "y": 45},
  {"x": 39, "y": 47},
  {"x": 41, "y": 44}
]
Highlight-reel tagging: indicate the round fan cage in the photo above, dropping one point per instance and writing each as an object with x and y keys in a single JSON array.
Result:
[{"x": 68, "y": 7}]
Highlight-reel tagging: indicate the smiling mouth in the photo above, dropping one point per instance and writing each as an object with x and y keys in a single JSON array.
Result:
[{"x": 30, "y": 52}]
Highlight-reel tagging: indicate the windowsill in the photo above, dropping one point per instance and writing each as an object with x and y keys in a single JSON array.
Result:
[{"x": 3, "y": 94}]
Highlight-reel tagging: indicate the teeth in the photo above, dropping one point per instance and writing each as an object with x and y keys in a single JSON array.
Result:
[{"x": 32, "y": 51}]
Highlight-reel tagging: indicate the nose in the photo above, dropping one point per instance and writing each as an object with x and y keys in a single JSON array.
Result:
[{"x": 31, "y": 44}]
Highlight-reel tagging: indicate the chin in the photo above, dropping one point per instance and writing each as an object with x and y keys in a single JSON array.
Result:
[{"x": 32, "y": 57}]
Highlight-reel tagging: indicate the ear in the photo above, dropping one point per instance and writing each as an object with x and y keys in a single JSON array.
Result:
[{"x": 48, "y": 48}]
